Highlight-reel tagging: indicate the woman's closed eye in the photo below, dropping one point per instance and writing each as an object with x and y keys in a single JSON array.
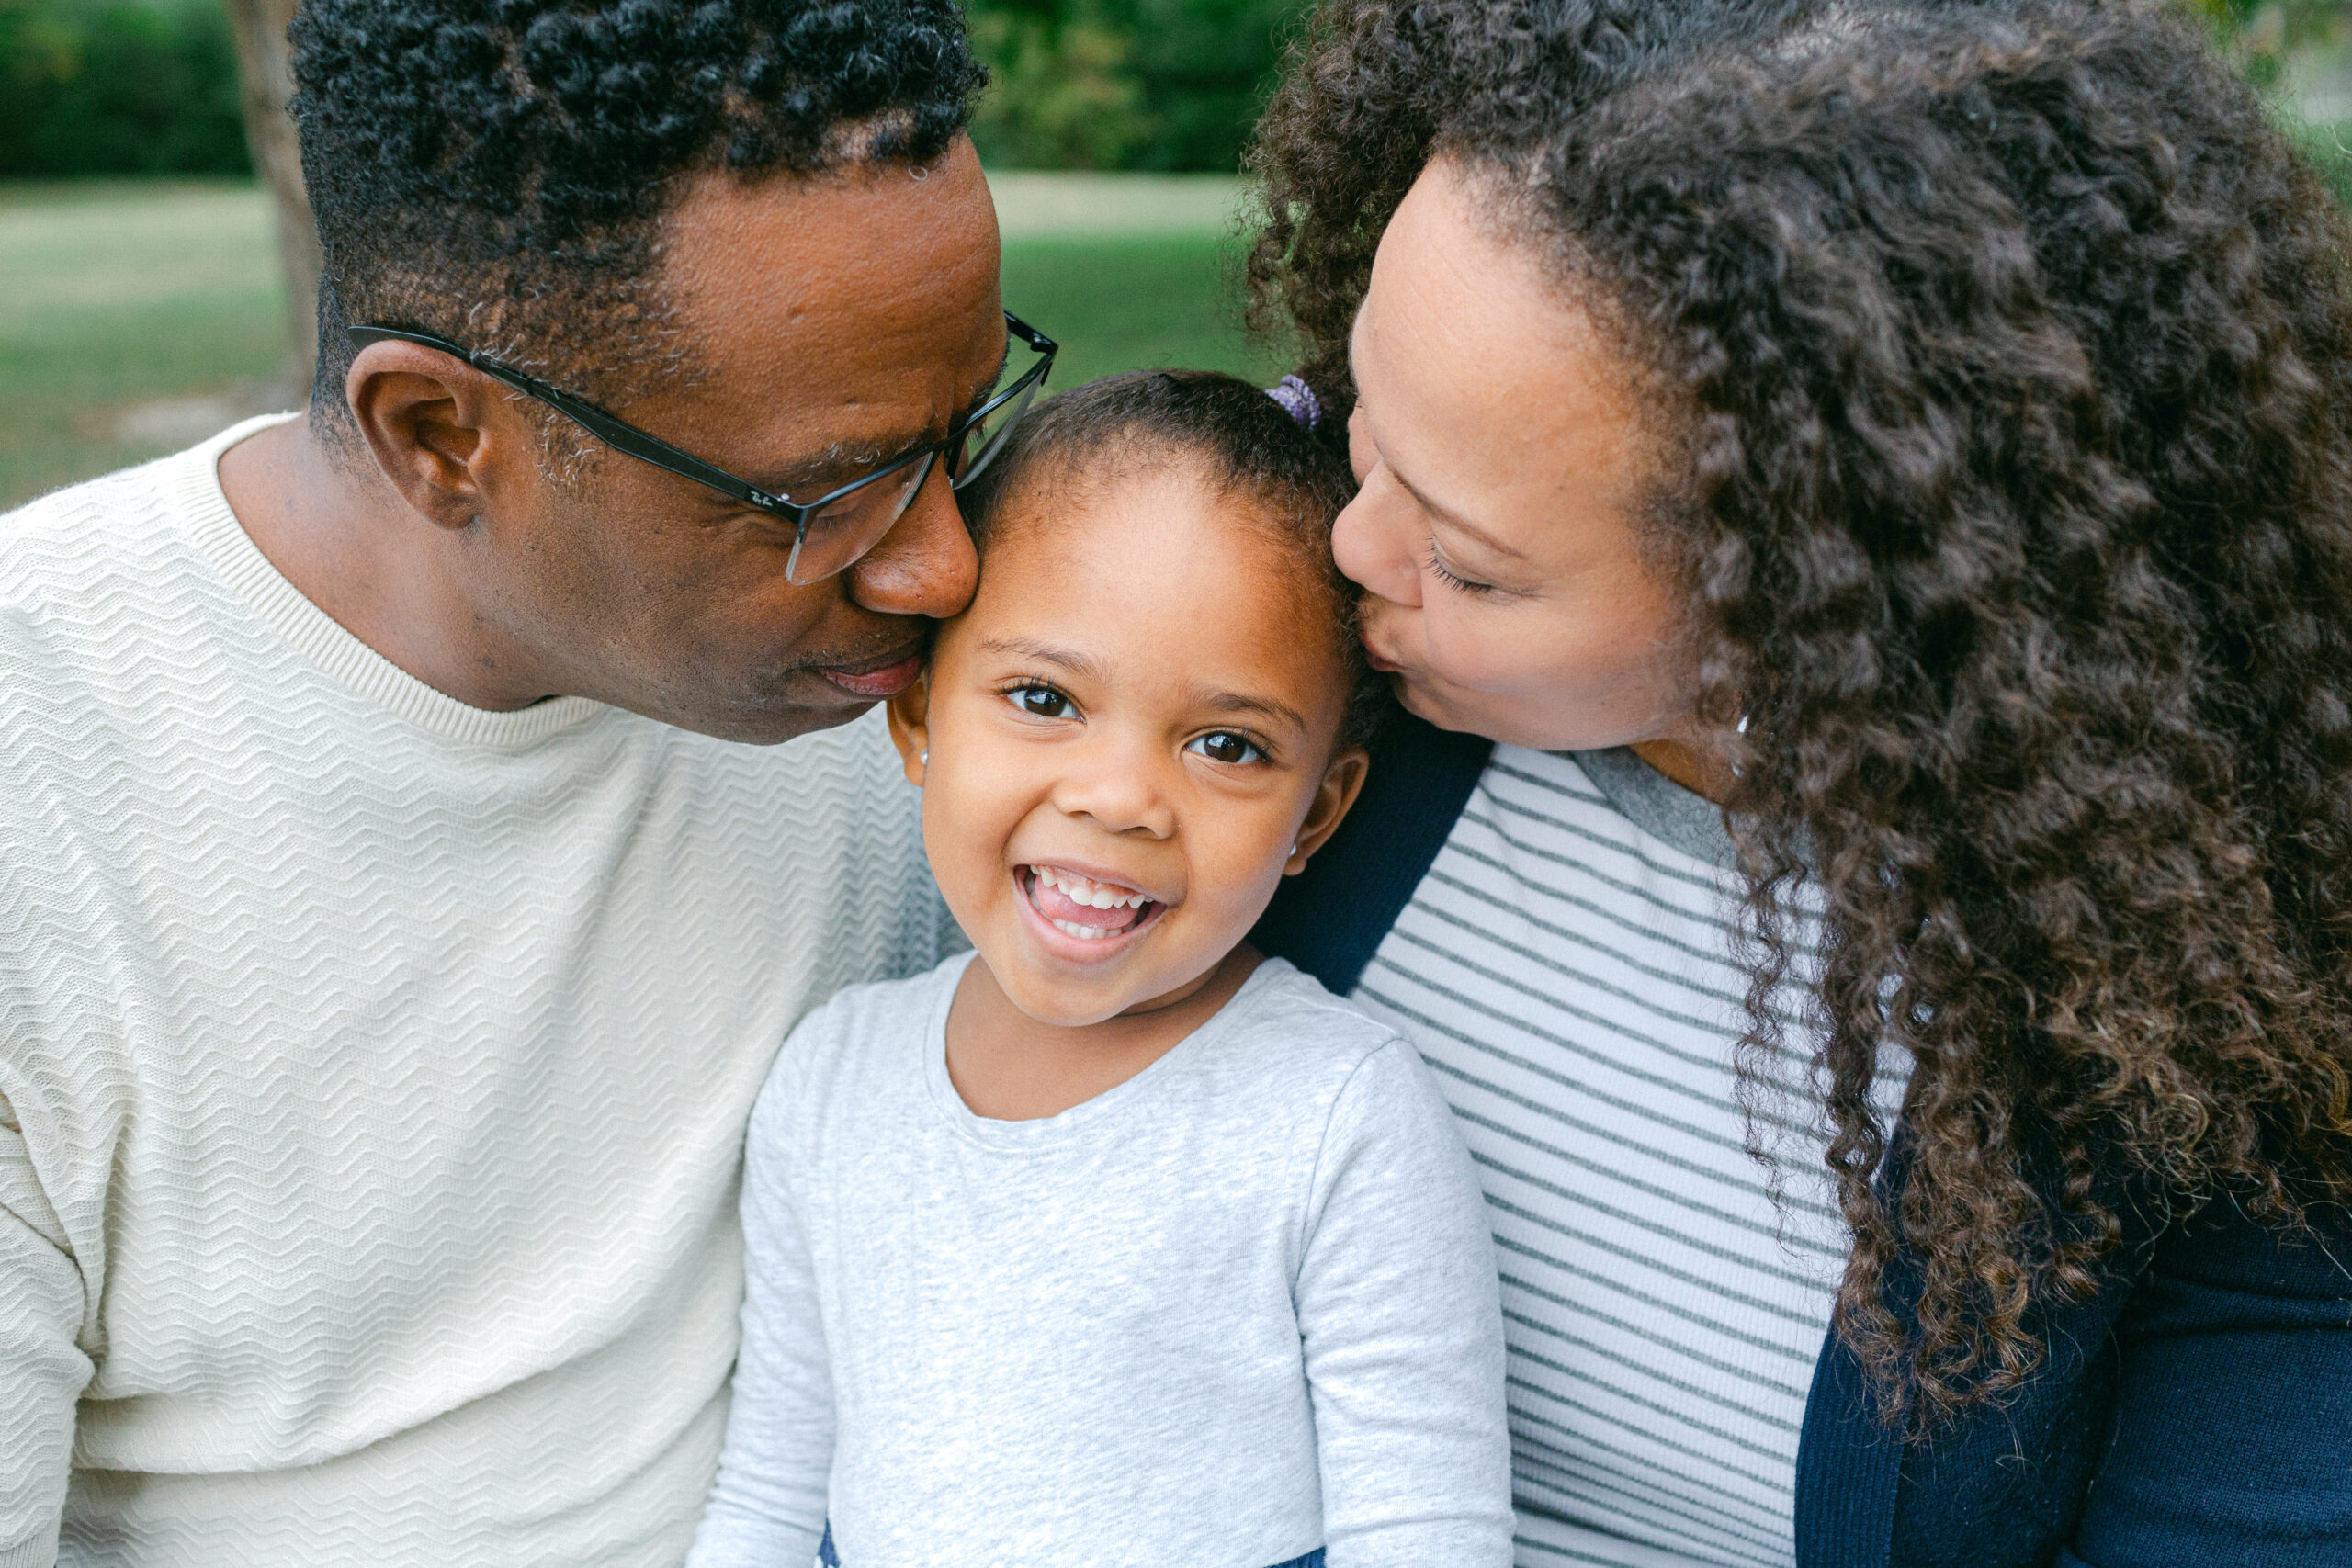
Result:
[
  {"x": 1447, "y": 575},
  {"x": 1035, "y": 699},
  {"x": 1228, "y": 747}
]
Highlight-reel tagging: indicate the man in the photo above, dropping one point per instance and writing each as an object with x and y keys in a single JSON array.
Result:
[{"x": 394, "y": 927}]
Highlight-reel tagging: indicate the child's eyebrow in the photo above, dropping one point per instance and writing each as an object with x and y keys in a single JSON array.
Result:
[
  {"x": 1068, "y": 658},
  {"x": 1273, "y": 709}
]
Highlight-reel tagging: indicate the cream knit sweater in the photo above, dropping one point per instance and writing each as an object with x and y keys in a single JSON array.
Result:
[{"x": 374, "y": 1068}]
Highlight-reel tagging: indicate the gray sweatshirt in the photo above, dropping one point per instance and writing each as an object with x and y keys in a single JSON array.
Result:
[{"x": 1240, "y": 1306}]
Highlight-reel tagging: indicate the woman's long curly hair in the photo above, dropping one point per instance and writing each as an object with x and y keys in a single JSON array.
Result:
[{"x": 2009, "y": 351}]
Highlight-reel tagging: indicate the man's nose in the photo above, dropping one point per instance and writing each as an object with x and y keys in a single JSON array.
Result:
[{"x": 925, "y": 565}]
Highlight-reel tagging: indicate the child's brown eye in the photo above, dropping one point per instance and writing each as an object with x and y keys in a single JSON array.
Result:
[
  {"x": 1040, "y": 702},
  {"x": 1224, "y": 746}
]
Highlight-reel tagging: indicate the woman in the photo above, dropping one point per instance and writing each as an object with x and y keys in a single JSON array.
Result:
[{"x": 1863, "y": 496}]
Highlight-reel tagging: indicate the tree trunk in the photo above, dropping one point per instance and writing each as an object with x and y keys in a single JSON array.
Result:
[{"x": 263, "y": 68}]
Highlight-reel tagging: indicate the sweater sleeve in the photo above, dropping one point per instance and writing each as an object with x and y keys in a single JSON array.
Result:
[
  {"x": 43, "y": 1367},
  {"x": 2234, "y": 1402},
  {"x": 767, "y": 1507},
  {"x": 1401, "y": 1323}
]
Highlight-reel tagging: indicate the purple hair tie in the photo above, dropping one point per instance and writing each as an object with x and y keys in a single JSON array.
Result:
[{"x": 1298, "y": 400}]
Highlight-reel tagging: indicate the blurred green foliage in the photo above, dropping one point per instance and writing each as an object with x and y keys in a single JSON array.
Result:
[
  {"x": 1126, "y": 84},
  {"x": 2267, "y": 35},
  {"x": 149, "y": 86},
  {"x": 2299, "y": 54},
  {"x": 118, "y": 87}
]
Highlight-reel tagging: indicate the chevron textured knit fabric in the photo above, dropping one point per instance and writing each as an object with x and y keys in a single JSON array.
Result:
[{"x": 374, "y": 1068}]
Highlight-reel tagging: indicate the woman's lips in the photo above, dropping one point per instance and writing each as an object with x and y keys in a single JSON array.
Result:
[
  {"x": 887, "y": 682},
  {"x": 1372, "y": 656}
]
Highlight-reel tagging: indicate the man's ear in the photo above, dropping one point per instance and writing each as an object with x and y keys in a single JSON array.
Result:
[
  {"x": 910, "y": 728},
  {"x": 439, "y": 428},
  {"x": 1342, "y": 781}
]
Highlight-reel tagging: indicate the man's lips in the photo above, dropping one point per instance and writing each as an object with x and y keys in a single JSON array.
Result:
[{"x": 878, "y": 678}]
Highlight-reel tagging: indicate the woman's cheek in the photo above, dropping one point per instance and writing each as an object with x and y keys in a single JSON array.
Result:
[{"x": 1464, "y": 644}]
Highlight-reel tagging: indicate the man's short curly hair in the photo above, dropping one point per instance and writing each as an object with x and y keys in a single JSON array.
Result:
[
  {"x": 496, "y": 171},
  {"x": 2008, "y": 347}
]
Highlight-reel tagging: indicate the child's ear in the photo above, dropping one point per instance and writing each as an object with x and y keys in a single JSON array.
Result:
[
  {"x": 910, "y": 728},
  {"x": 1342, "y": 781}
]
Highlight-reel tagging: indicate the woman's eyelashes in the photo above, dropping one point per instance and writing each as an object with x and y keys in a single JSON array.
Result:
[{"x": 1447, "y": 575}]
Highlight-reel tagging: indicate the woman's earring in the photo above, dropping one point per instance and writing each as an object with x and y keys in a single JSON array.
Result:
[{"x": 923, "y": 758}]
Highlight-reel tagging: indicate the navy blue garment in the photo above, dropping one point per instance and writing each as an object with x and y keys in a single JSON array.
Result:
[{"x": 2195, "y": 1413}]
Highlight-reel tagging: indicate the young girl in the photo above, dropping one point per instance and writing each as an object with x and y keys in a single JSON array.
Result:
[{"x": 1112, "y": 1242}]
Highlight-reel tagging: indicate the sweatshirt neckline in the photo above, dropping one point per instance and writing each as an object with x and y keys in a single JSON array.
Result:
[
  {"x": 1089, "y": 1116},
  {"x": 1656, "y": 804},
  {"x": 318, "y": 637}
]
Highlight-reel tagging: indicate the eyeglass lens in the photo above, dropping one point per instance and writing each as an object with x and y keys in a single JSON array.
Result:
[
  {"x": 836, "y": 535},
  {"x": 839, "y": 532},
  {"x": 985, "y": 437}
]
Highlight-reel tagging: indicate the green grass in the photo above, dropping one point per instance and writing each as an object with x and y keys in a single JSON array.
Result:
[
  {"x": 1120, "y": 304},
  {"x": 115, "y": 293}
]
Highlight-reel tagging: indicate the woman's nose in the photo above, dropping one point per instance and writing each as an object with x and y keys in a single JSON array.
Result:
[
  {"x": 1117, "y": 787},
  {"x": 1372, "y": 542}
]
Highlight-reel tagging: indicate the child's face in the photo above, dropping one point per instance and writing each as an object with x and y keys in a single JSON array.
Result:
[{"x": 1137, "y": 711}]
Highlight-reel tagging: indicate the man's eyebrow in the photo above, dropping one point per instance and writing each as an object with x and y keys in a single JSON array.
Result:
[
  {"x": 1075, "y": 663},
  {"x": 846, "y": 460},
  {"x": 1242, "y": 702},
  {"x": 833, "y": 464}
]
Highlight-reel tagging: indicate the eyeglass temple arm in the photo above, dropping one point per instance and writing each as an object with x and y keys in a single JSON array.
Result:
[
  {"x": 624, "y": 438},
  {"x": 635, "y": 442},
  {"x": 1031, "y": 335}
]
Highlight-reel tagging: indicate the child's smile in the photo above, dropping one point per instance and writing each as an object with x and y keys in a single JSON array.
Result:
[
  {"x": 1091, "y": 910},
  {"x": 1126, "y": 742}
]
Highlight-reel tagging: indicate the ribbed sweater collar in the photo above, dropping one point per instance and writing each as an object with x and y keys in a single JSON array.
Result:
[{"x": 194, "y": 480}]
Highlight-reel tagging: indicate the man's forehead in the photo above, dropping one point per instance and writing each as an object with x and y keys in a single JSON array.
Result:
[
  {"x": 870, "y": 259},
  {"x": 835, "y": 318}
]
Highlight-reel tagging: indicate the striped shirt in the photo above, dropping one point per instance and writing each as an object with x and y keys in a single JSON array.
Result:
[{"x": 1565, "y": 965}]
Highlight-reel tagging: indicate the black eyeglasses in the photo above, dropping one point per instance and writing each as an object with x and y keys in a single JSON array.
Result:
[{"x": 839, "y": 526}]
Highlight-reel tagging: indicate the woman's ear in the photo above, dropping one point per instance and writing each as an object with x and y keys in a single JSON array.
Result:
[
  {"x": 910, "y": 728},
  {"x": 1342, "y": 781}
]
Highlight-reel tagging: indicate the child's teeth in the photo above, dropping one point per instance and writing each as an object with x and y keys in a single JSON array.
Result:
[
  {"x": 1084, "y": 890},
  {"x": 1084, "y": 933}
]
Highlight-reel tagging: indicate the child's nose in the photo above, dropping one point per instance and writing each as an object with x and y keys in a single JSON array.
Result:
[{"x": 1117, "y": 786}]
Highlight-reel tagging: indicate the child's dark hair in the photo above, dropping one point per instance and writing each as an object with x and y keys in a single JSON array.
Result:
[{"x": 1252, "y": 444}]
